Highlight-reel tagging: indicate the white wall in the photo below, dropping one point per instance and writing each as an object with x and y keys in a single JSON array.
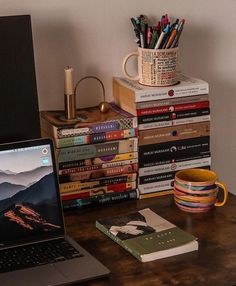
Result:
[{"x": 93, "y": 36}]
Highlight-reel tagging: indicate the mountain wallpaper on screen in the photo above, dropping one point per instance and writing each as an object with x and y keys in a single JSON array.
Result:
[{"x": 28, "y": 202}]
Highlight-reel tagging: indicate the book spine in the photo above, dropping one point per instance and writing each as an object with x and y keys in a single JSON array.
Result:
[
  {"x": 175, "y": 122},
  {"x": 166, "y": 183},
  {"x": 173, "y": 159},
  {"x": 173, "y": 133},
  {"x": 195, "y": 88},
  {"x": 155, "y": 187},
  {"x": 98, "y": 191},
  {"x": 172, "y": 108},
  {"x": 109, "y": 172},
  {"x": 98, "y": 160},
  {"x": 95, "y": 138},
  {"x": 96, "y": 150},
  {"x": 117, "y": 240},
  {"x": 176, "y": 166},
  {"x": 101, "y": 199},
  {"x": 155, "y": 194},
  {"x": 97, "y": 167},
  {"x": 174, "y": 92},
  {"x": 179, "y": 148},
  {"x": 80, "y": 185},
  {"x": 171, "y": 101},
  {"x": 113, "y": 125},
  {"x": 156, "y": 178},
  {"x": 173, "y": 115},
  {"x": 160, "y": 177}
]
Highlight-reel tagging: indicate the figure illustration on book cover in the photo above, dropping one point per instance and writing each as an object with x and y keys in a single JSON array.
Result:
[{"x": 130, "y": 226}]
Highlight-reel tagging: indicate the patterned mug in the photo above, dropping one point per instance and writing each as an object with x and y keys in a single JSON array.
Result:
[
  {"x": 196, "y": 190},
  {"x": 156, "y": 67}
]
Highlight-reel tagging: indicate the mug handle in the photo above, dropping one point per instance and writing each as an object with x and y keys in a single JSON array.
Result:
[
  {"x": 124, "y": 69},
  {"x": 224, "y": 188}
]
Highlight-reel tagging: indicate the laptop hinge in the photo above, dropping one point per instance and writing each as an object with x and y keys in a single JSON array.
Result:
[{"x": 32, "y": 242}]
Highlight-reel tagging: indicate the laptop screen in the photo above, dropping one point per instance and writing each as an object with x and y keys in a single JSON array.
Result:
[{"x": 30, "y": 205}]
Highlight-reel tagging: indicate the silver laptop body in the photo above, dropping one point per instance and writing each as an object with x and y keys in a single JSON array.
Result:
[{"x": 31, "y": 213}]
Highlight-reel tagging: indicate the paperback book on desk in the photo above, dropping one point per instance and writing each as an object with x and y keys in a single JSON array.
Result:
[{"x": 147, "y": 236}]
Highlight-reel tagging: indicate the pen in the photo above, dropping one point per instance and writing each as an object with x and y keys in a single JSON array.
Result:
[
  {"x": 154, "y": 38},
  {"x": 149, "y": 36},
  {"x": 162, "y": 38},
  {"x": 171, "y": 37},
  {"x": 158, "y": 27},
  {"x": 179, "y": 31},
  {"x": 162, "y": 23},
  {"x": 136, "y": 29},
  {"x": 143, "y": 34}
]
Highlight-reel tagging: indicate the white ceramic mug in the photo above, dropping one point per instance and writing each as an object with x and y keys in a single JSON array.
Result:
[{"x": 156, "y": 67}]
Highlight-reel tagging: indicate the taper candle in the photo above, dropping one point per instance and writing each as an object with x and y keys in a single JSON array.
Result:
[
  {"x": 69, "y": 86},
  {"x": 69, "y": 96}
]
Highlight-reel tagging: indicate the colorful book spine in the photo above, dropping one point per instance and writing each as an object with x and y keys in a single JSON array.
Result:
[
  {"x": 98, "y": 160},
  {"x": 96, "y": 150},
  {"x": 113, "y": 125},
  {"x": 98, "y": 191},
  {"x": 97, "y": 167},
  {"x": 173, "y": 108},
  {"x": 101, "y": 199},
  {"x": 109, "y": 172},
  {"x": 80, "y": 185},
  {"x": 95, "y": 138}
]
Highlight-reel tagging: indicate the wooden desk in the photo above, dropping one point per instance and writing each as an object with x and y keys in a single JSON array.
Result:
[{"x": 213, "y": 264}]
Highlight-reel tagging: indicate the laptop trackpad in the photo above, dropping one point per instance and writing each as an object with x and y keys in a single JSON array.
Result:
[{"x": 38, "y": 276}]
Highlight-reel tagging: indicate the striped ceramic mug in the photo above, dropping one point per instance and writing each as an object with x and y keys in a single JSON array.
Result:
[{"x": 197, "y": 190}]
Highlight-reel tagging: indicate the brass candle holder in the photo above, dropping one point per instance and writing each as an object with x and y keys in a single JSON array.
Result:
[
  {"x": 70, "y": 101},
  {"x": 104, "y": 105}
]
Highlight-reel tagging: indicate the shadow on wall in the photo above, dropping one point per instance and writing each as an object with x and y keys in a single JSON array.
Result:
[
  {"x": 55, "y": 48},
  {"x": 197, "y": 51},
  {"x": 200, "y": 56},
  {"x": 223, "y": 129}
]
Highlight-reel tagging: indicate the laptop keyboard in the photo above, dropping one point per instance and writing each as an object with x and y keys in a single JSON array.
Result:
[{"x": 36, "y": 254}]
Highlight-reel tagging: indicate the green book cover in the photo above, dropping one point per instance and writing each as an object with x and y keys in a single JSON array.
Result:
[{"x": 147, "y": 235}]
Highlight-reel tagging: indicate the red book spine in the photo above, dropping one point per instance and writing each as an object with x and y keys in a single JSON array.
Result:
[
  {"x": 172, "y": 108},
  {"x": 103, "y": 190}
]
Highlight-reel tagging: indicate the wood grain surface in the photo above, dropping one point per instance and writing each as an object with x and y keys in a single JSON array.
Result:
[{"x": 214, "y": 264}]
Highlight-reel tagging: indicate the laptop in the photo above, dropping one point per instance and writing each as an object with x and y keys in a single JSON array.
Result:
[{"x": 34, "y": 247}]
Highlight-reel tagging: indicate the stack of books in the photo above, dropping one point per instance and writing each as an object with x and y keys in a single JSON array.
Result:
[
  {"x": 173, "y": 127},
  {"x": 96, "y": 155}
]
